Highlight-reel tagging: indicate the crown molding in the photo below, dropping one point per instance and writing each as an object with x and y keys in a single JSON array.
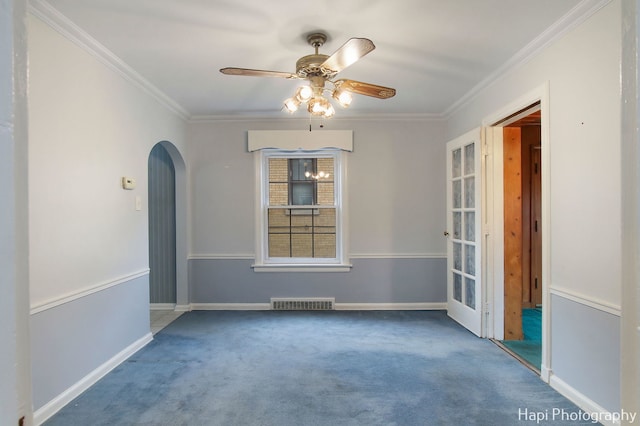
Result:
[
  {"x": 576, "y": 16},
  {"x": 424, "y": 117},
  {"x": 63, "y": 25}
]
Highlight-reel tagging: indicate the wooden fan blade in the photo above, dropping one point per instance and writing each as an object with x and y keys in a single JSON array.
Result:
[
  {"x": 366, "y": 89},
  {"x": 348, "y": 53},
  {"x": 256, "y": 73}
]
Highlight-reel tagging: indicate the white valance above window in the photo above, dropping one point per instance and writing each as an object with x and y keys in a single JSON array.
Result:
[{"x": 294, "y": 140}]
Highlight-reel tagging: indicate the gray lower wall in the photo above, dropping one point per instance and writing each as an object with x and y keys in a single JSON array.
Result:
[
  {"x": 585, "y": 350},
  {"x": 387, "y": 280},
  {"x": 73, "y": 339}
]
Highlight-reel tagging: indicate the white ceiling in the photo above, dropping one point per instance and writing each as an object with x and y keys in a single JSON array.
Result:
[{"x": 433, "y": 52}]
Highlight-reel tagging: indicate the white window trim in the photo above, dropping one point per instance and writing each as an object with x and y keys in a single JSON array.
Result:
[{"x": 265, "y": 264}]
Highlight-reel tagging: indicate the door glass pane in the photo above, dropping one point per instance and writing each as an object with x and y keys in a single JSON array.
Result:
[
  {"x": 470, "y": 259},
  {"x": 470, "y": 292},
  {"x": 469, "y": 161},
  {"x": 457, "y": 225},
  {"x": 456, "y": 163},
  {"x": 457, "y": 287},
  {"x": 457, "y": 256},
  {"x": 469, "y": 193},
  {"x": 457, "y": 194},
  {"x": 470, "y": 226}
]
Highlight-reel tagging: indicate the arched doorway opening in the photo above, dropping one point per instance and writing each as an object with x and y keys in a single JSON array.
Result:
[{"x": 168, "y": 293}]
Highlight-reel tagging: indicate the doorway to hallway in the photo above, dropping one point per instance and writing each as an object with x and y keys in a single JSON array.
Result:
[
  {"x": 168, "y": 283},
  {"x": 522, "y": 186}
]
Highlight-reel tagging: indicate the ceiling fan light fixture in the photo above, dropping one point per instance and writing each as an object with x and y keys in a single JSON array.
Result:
[
  {"x": 316, "y": 107},
  {"x": 329, "y": 112},
  {"x": 304, "y": 93},
  {"x": 343, "y": 97},
  {"x": 321, "y": 107},
  {"x": 291, "y": 104}
]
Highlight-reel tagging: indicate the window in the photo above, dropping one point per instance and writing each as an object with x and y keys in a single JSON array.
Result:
[
  {"x": 302, "y": 178},
  {"x": 300, "y": 209}
]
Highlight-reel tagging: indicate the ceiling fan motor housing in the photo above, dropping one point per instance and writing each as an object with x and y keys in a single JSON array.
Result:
[{"x": 311, "y": 66}]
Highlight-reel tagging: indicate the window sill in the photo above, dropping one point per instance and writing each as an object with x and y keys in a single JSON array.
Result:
[{"x": 338, "y": 267}]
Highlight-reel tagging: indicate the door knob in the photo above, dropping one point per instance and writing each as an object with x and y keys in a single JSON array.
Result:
[{"x": 446, "y": 234}]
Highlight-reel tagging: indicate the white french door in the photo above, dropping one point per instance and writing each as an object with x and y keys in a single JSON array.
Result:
[{"x": 464, "y": 289}]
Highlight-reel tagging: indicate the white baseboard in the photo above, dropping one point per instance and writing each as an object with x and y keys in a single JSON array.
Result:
[
  {"x": 169, "y": 307},
  {"x": 338, "y": 306},
  {"x": 390, "y": 306},
  {"x": 162, "y": 306},
  {"x": 545, "y": 373},
  {"x": 230, "y": 306},
  {"x": 583, "y": 402},
  {"x": 56, "y": 404}
]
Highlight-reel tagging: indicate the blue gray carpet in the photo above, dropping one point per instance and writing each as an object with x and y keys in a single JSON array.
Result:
[{"x": 316, "y": 368}]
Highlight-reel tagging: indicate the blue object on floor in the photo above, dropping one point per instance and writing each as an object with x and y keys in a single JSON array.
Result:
[
  {"x": 530, "y": 348},
  {"x": 532, "y": 324}
]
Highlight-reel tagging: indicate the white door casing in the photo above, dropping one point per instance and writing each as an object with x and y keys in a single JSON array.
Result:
[{"x": 493, "y": 212}]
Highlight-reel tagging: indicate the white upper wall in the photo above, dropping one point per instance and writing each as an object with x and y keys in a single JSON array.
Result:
[
  {"x": 583, "y": 72},
  {"x": 396, "y": 187},
  {"x": 88, "y": 127}
]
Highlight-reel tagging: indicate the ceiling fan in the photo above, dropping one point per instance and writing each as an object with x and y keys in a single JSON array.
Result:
[{"x": 320, "y": 69}]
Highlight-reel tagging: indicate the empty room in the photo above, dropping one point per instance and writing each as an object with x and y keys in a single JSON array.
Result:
[{"x": 309, "y": 213}]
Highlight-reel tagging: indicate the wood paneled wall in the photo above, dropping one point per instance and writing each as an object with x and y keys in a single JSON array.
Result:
[
  {"x": 512, "y": 233},
  {"x": 522, "y": 233}
]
